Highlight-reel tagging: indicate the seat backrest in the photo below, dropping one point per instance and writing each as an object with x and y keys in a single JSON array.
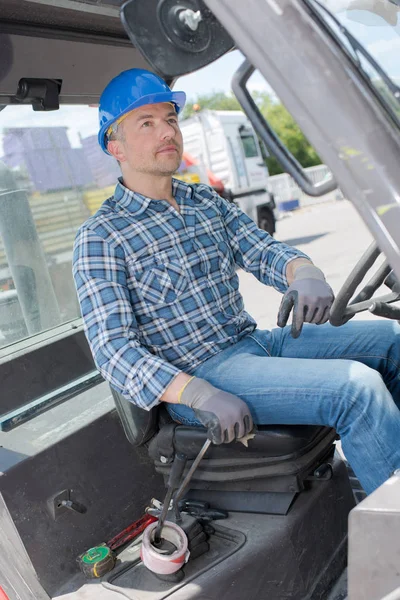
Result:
[{"x": 139, "y": 425}]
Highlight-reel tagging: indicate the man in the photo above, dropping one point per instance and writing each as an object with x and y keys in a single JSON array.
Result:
[{"x": 156, "y": 280}]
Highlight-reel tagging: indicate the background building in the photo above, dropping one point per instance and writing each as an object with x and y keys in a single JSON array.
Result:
[{"x": 45, "y": 153}]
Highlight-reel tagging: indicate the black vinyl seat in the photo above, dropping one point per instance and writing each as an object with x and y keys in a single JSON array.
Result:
[
  {"x": 270, "y": 441},
  {"x": 263, "y": 477}
]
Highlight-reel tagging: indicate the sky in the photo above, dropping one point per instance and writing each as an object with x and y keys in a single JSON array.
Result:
[
  {"x": 218, "y": 76},
  {"x": 381, "y": 37}
]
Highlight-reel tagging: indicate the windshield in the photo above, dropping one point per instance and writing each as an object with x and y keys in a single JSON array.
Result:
[
  {"x": 53, "y": 176},
  {"x": 369, "y": 31}
]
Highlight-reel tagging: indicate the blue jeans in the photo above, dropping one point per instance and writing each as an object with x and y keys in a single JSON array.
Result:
[{"x": 355, "y": 388}]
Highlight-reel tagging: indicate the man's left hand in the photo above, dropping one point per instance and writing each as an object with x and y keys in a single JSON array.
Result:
[{"x": 309, "y": 296}]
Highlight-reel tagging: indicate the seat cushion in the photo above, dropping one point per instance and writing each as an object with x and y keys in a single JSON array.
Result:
[
  {"x": 270, "y": 441},
  {"x": 279, "y": 459}
]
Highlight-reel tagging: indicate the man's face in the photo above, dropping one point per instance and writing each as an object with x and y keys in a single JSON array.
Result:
[{"x": 149, "y": 140}]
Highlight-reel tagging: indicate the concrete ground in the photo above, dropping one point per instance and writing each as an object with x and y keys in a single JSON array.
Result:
[{"x": 332, "y": 234}]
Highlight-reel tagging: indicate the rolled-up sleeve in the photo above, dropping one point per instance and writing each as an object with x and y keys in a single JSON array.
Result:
[
  {"x": 255, "y": 250},
  {"x": 110, "y": 324}
]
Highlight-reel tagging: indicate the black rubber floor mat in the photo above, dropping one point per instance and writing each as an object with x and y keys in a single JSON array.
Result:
[{"x": 132, "y": 578}]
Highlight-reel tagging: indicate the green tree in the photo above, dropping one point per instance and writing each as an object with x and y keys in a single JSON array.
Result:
[
  {"x": 213, "y": 101},
  {"x": 277, "y": 116},
  {"x": 289, "y": 133}
]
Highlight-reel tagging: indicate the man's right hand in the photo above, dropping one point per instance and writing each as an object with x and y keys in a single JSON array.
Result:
[{"x": 225, "y": 416}]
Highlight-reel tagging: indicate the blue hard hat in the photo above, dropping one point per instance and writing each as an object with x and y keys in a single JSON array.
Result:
[{"x": 129, "y": 90}]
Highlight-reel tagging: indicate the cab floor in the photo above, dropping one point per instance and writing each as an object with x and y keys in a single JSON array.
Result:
[{"x": 339, "y": 591}]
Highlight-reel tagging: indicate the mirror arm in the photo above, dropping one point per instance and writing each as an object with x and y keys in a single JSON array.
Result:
[{"x": 269, "y": 137}]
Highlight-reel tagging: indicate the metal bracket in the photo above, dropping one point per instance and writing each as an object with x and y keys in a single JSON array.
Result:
[
  {"x": 270, "y": 138},
  {"x": 32, "y": 409},
  {"x": 43, "y": 94},
  {"x": 62, "y": 503}
]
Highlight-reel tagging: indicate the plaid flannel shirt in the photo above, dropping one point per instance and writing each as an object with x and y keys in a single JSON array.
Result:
[{"x": 158, "y": 290}]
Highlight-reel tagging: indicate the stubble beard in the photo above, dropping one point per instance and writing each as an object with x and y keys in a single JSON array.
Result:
[{"x": 163, "y": 167}]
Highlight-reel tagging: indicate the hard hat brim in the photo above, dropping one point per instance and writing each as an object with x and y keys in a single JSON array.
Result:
[{"x": 177, "y": 98}]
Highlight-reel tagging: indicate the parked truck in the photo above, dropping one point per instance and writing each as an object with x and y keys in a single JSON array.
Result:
[{"x": 225, "y": 143}]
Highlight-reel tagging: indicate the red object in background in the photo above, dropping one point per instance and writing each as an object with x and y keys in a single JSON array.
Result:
[
  {"x": 188, "y": 159},
  {"x": 215, "y": 182},
  {"x": 3, "y": 595}
]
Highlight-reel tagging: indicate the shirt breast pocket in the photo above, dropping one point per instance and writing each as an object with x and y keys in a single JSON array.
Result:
[
  {"x": 226, "y": 260},
  {"x": 159, "y": 278}
]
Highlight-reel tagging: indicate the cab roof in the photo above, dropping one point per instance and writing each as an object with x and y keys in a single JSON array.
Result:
[
  {"x": 80, "y": 42},
  {"x": 63, "y": 17}
]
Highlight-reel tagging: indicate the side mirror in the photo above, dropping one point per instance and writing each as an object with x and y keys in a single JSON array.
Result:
[
  {"x": 176, "y": 37},
  {"x": 269, "y": 137}
]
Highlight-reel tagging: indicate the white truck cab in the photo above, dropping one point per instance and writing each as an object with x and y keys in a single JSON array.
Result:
[{"x": 225, "y": 143}]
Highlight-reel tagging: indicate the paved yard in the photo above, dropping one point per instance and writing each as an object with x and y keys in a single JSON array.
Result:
[{"x": 332, "y": 234}]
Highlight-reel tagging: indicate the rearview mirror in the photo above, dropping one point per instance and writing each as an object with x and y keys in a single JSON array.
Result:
[{"x": 176, "y": 37}]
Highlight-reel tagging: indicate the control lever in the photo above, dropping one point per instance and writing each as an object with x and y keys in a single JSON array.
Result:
[
  {"x": 175, "y": 475},
  {"x": 388, "y": 311},
  {"x": 392, "y": 282},
  {"x": 187, "y": 479},
  {"x": 381, "y": 276}
]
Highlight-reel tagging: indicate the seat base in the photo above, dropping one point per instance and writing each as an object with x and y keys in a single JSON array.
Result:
[
  {"x": 233, "y": 468},
  {"x": 264, "y": 503}
]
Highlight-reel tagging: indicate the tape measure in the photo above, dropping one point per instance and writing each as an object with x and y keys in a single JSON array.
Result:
[{"x": 96, "y": 561}]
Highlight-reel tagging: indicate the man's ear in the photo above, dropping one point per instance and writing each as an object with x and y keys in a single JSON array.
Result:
[{"x": 116, "y": 150}]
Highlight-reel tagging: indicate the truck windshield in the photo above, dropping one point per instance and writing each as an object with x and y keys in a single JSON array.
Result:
[
  {"x": 249, "y": 145},
  {"x": 53, "y": 175},
  {"x": 369, "y": 31}
]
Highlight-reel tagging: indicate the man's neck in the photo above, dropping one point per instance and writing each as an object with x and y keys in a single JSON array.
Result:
[{"x": 156, "y": 187}]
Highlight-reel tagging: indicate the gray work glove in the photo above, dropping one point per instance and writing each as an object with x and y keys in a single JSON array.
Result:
[
  {"x": 225, "y": 416},
  {"x": 310, "y": 297}
]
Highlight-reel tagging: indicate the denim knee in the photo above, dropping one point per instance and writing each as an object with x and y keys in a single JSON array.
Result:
[{"x": 363, "y": 391}]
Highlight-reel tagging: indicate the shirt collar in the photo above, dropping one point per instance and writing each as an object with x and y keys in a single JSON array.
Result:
[{"x": 136, "y": 203}]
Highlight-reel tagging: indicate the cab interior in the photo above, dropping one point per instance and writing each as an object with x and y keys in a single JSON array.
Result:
[{"x": 65, "y": 435}]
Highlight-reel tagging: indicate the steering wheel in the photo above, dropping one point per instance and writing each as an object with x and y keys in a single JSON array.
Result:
[{"x": 343, "y": 309}]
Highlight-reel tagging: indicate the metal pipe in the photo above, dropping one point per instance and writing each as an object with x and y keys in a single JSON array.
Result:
[
  {"x": 188, "y": 477},
  {"x": 174, "y": 478},
  {"x": 25, "y": 257}
]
